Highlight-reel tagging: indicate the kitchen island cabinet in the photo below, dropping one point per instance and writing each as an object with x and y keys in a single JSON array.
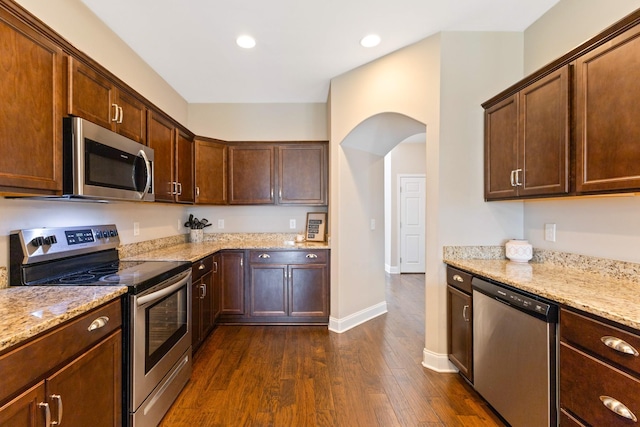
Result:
[
  {"x": 77, "y": 365},
  {"x": 32, "y": 88}
]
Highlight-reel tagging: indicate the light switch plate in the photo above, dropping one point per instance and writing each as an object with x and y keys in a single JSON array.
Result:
[{"x": 221, "y": 224}]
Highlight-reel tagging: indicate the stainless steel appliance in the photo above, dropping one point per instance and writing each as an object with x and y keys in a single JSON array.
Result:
[
  {"x": 515, "y": 353},
  {"x": 101, "y": 164},
  {"x": 156, "y": 309}
]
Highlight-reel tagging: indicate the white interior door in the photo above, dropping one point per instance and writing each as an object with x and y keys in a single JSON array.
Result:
[{"x": 412, "y": 224}]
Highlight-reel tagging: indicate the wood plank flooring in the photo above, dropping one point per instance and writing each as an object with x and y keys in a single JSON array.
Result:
[{"x": 296, "y": 376}]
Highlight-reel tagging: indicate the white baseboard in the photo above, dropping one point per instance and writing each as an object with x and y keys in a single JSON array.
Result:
[
  {"x": 355, "y": 319},
  {"x": 391, "y": 269},
  {"x": 437, "y": 362}
]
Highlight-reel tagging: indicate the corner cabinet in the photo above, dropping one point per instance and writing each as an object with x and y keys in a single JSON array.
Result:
[
  {"x": 302, "y": 174},
  {"x": 527, "y": 140},
  {"x": 32, "y": 88},
  {"x": 289, "y": 286},
  {"x": 51, "y": 372},
  {"x": 607, "y": 125}
]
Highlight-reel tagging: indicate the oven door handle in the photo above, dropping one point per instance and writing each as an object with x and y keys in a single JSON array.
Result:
[
  {"x": 154, "y": 296},
  {"x": 147, "y": 166}
]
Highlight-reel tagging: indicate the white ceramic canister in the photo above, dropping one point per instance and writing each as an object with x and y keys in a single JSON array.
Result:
[
  {"x": 519, "y": 250},
  {"x": 196, "y": 235}
]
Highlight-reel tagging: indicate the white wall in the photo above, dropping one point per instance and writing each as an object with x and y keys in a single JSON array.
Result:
[{"x": 605, "y": 227}]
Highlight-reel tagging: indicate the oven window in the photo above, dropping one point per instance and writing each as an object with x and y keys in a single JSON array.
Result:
[
  {"x": 166, "y": 324},
  {"x": 109, "y": 167}
]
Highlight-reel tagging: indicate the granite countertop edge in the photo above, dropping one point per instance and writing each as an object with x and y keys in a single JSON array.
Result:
[
  {"x": 26, "y": 312},
  {"x": 611, "y": 298}
]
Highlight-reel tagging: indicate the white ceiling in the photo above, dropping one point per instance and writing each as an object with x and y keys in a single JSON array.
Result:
[{"x": 301, "y": 44}]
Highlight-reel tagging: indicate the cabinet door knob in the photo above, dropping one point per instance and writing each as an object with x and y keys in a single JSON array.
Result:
[
  {"x": 312, "y": 256},
  {"x": 264, "y": 256},
  {"x": 619, "y": 345},
  {"x": 458, "y": 278},
  {"x": 47, "y": 413},
  {"x": 59, "y": 419},
  {"x": 100, "y": 322},
  {"x": 618, "y": 408}
]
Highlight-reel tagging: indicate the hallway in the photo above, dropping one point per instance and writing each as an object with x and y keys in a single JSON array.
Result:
[{"x": 289, "y": 376}]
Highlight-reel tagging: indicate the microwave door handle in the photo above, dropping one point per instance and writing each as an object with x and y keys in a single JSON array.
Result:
[
  {"x": 154, "y": 296},
  {"x": 148, "y": 168}
]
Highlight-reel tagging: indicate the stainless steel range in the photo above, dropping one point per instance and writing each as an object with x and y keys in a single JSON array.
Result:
[{"x": 156, "y": 309}]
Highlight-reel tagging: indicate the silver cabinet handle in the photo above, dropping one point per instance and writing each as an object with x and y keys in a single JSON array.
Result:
[
  {"x": 59, "y": 399},
  {"x": 179, "y": 189},
  {"x": 264, "y": 256},
  {"x": 197, "y": 191},
  {"x": 121, "y": 114},
  {"x": 116, "y": 112},
  {"x": 312, "y": 256},
  {"x": 100, "y": 322},
  {"x": 464, "y": 313},
  {"x": 174, "y": 186},
  {"x": 458, "y": 278},
  {"x": 201, "y": 267},
  {"x": 618, "y": 408},
  {"x": 517, "y": 171},
  {"x": 47, "y": 413},
  {"x": 215, "y": 266},
  {"x": 619, "y": 345},
  {"x": 511, "y": 178},
  {"x": 203, "y": 288}
]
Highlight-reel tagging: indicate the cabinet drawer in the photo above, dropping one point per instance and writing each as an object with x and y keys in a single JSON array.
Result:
[
  {"x": 584, "y": 384},
  {"x": 299, "y": 256},
  {"x": 201, "y": 267},
  {"x": 23, "y": 365},
  {"x": 591, "y": 335},
  {"x": 459, "y": 279}
]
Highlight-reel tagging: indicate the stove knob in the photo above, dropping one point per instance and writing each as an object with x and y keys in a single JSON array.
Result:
[
  {"x": 98, "y": 234},
  {"x": 37, "y": 241},
  {"x": 112, "y": 233},
  {"x": 50, "y": 240}
]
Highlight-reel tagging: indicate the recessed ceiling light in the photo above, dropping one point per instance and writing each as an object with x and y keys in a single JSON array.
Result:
[
  {"x": 370, "y": 41},
  {"x": 246, "y": 42}
]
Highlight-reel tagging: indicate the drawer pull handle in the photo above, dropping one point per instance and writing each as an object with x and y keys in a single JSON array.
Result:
[
  {"x": 264, "y": 256},
  {"x": 59, "y": 399},
  {"x": 619, "y": 345},
  {"x": 312, "y": 256},
  {"x": 464, "y": 313},
  {"x": 100, "y": 322},
  {"x": 458, "y": 278},
  {"x": 618, "y": 408},
  {"x": 201, "y": 267}
]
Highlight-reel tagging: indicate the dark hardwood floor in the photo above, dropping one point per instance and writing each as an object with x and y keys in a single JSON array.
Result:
[{"x": 296, "y": 376}]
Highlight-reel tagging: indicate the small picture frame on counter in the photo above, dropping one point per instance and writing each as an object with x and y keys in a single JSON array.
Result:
[{"x": 316, "y": 227}]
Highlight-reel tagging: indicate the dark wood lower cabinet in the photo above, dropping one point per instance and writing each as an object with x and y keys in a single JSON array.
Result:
[
  {"x": 460, "y": 321},
  {"x": 24, "y": 410},
  {"x": 232, "y": 301}
]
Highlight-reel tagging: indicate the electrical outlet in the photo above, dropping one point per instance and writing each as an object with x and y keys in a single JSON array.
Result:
[
  {"x": 373, "y": 224},
  {"x": 292, "y": 223},
  {"x": 136, "y": 228},
  {"x": 221, "y": 224},
  {"x": 550, "y": 232}
]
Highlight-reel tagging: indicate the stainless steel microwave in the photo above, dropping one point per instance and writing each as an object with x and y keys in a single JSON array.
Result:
[{"x": 101, "y": 164}]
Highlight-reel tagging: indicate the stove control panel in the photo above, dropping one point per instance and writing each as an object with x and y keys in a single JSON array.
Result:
[{"x": 41, "y": 244}]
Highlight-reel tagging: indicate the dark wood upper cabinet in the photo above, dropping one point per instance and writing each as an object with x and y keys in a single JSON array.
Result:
[
  {"x": 527, "y": 140},
  {"x": 32, "y": 88},
  {"x": 608, "y": 129},
  {"x": 251, "y": 174},
  {"x": 173, "y": 160},
  {"x": 211, "y": 171},
  {"x": 302, "y": 174},
  {"x": 96, "y": 98}
]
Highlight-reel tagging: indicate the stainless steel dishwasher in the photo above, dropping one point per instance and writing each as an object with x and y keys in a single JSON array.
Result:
[{"x": 515, "y": 353}]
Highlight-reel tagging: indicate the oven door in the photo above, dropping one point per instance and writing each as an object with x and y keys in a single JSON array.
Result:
[{"x": 161, "y": 332}]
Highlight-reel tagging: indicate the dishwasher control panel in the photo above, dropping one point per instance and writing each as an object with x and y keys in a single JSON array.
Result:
[{"x": 528, "y": 303}]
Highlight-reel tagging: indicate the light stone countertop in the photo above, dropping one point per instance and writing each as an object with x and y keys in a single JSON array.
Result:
[
  {"x": 26, "y": 311},
  {"x": 196, "y": 251},
  {"x": 613, "y": 298}
]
